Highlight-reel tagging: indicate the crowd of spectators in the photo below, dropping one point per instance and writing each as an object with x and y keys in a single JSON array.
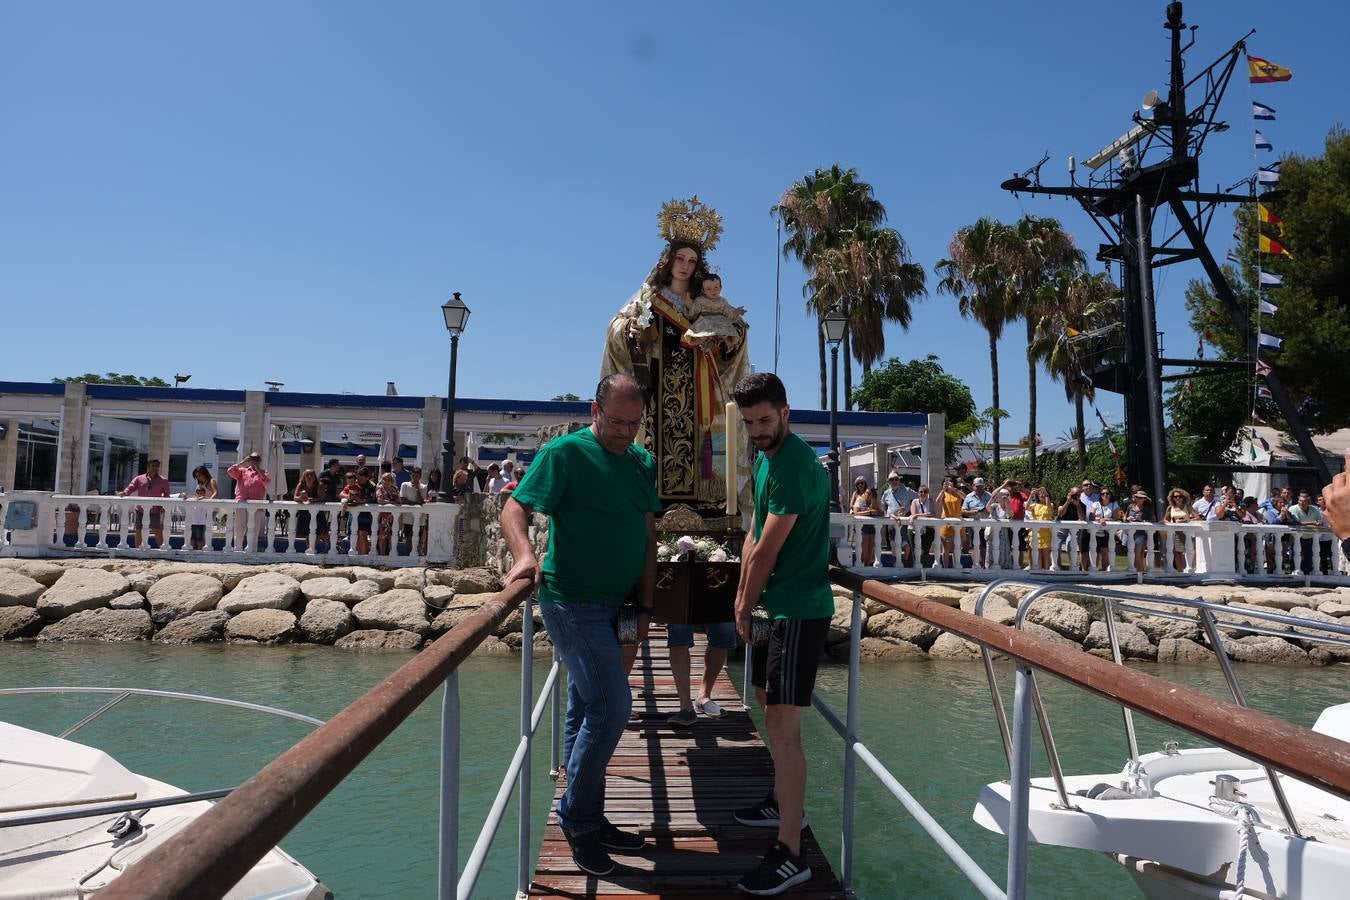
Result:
[{"x": 899, "y": 505}]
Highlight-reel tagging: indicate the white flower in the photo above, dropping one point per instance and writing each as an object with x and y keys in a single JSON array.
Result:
[
  {"x": 718, "y": 555},
  {"x": 663, "y": 551},
  {"x": 705, "y": 545},
  {"x": 686, "y": 544}
]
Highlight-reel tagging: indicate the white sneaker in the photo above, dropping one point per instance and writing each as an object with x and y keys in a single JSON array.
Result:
[{"x": 709, "y": 708}]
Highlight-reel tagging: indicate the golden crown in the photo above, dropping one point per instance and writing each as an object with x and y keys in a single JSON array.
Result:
[{"x": 690, "y": 220}]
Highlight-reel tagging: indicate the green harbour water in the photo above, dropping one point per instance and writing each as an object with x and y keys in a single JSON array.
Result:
[{"x": 375, "y": 836}]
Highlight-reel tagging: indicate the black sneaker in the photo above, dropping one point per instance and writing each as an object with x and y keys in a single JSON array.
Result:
[
  {"x": 588, "y": 852},
  {"x": 763, "y": 814},
  {"x": 611, "y": 838},
  {"x": 776, "y": 872}
]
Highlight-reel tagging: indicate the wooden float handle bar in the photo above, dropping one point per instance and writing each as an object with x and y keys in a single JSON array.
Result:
[
  {"x": 1316, "y": 758},
  {"x": 216, "y": 850}
]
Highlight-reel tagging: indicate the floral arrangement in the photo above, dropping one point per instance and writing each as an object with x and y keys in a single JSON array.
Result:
[{"x": 687, "y": 548}]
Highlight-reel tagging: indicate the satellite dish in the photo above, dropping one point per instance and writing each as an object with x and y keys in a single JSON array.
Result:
[
  {"x": 1016, "y": 183},
  {"x": 1150, "y": 100}
]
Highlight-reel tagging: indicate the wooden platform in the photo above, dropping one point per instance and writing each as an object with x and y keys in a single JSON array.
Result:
[{"x": 678, "y": 788}]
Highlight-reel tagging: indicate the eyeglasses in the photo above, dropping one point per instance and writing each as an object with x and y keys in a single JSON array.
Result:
[{"x": 628, "y": 424}]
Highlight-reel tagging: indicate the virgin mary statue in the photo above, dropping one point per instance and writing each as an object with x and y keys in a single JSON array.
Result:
[{"x": 687, "y": 347}]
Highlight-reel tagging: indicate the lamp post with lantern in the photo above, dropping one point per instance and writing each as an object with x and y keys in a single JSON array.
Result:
[
  {"x": 456, "y": 318},
  {"x": 834, "y": 324}
]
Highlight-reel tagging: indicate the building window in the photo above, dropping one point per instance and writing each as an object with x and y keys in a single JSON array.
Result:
[{"x": 178, "y": 472}]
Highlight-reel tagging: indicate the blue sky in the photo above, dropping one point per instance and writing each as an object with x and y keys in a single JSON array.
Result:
[{"x": 288, "y": 191}]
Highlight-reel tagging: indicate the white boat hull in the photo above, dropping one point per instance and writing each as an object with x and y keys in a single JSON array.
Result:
[{"x": 76, "y": 857}]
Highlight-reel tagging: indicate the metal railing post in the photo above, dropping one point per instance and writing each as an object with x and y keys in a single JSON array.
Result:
[
  {"x": 850, "y": 739},
  {"x": 1020, "y": 787},
  {"x": 1212, "y": 632},
  {"x": 1115, "y": 656},
  {"x": 747, "y": 685},
  {"x": 448, "y": 869},
  {"x": 555, "y": 734},
  {"x": 523, "y": 867}
]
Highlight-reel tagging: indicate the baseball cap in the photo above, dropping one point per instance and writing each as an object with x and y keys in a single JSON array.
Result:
[{"x": 979, "y": 482}]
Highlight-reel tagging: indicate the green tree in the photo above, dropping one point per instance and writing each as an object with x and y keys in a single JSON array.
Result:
[
  {"x": 567, "y": 396},
  {"x": 833, "y": 221},
  {"x": 920, "y": 385},
  {"x": 1043, "y": 249},
  {"x": 976, "y": 273},
  {"x": 1313, "y": 304},
  {"x": 1086, "y": 303},
  {"x": 114, "y": 378}
]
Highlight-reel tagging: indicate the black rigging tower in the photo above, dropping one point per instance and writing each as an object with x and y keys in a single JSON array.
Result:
[{"x": 1155, "y": 165}]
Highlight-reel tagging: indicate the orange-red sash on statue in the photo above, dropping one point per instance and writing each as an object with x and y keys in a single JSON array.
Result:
[{"x": 707, "y": 384}]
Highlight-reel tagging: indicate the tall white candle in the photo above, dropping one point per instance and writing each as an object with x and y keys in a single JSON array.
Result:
[{"x": 733, "y": 455}]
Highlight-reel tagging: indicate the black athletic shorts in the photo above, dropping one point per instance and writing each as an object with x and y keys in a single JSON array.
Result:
[{"x": 785, "y": 666}]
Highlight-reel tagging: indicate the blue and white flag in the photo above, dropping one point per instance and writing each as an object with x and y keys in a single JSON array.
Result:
[
  {"x": 1262, "y": 142},
  {"x": 1232, "y": 257},
  {"x": 1268, "y": 174},
  {"x": 1270, "y": 340},
  {"x": 1261, "y": 111},
  {"x": 1263, "y": 392},
  {"x": 1270, "y": 279},
  {"x": 1268, "y": 308}
]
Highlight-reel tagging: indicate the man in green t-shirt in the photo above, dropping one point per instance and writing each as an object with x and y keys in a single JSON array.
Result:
[
  {"x": 785, "y": 566},
  {"x": 600, "y": 492}
]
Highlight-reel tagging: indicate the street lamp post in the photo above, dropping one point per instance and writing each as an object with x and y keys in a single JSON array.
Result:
[
  {"x": 456, "y": 318},
  {"x": 834, "y": 324}
]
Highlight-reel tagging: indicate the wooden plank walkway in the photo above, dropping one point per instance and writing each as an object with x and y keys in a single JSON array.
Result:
[{"x": 678, "y": 788}]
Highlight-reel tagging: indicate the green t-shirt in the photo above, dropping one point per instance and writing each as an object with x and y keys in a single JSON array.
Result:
[
  {"x": 1312, "y": 517},
  {"x": 598, "y": 502},
  {"x": 793, "y": 481}
]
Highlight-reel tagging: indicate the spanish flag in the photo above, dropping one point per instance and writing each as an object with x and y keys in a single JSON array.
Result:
[
  {"x": 1274, "y": 247},
  {"x": 1264, "y": 213},
  {"x": 1263, "y": 71}
]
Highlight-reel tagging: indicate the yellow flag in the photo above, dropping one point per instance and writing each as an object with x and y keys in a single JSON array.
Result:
[
  {"x": 1265, "y": 215},
  {"x": 1072, "y": 332},
  {"x": 1274, "y": 247},
  {"x": 1263, "y": 71}
]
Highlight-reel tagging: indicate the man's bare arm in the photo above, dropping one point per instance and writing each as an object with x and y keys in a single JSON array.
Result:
[
  {"x": 758, "y": 566},
  {"x": 515, "y": 519}
]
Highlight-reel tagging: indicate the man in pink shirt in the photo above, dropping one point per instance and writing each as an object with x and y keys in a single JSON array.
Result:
[
  {"x": 149, "y": 484},
  {"x": 250, "y": 483}
]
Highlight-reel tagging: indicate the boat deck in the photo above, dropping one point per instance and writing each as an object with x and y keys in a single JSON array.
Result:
[{"x": 678, "y": 788}]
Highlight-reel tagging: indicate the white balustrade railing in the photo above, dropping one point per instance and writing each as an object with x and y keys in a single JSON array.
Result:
[
  {"x": 984, "y": 548},
  {"x": 246, "y": 531}
]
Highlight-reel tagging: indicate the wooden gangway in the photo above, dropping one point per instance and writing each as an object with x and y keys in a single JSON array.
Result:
[{"x": 678, "y": 788}]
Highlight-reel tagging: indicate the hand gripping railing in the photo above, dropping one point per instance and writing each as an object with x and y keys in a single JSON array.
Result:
[
  {"x": 215, "y": 851},
  {"x": 1319, "y": 759}
]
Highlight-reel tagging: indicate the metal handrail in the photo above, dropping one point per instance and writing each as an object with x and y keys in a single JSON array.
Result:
[
  {"x": 1319, "y": 759},
  {"x": 221, "y": 845},
  {"x": 144, "y": 692}
]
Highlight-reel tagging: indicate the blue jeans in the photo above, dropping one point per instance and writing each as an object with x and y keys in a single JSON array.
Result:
[{"x": 598, "y": 704}]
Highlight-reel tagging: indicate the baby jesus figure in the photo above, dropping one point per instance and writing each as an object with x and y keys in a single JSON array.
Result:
[{"x": 714, "y": 321}]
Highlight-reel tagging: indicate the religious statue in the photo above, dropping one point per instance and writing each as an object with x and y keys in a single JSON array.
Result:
[{"x": 687, "y": 347}]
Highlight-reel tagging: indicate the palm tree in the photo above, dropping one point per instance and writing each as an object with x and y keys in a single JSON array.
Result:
[
  {"x": 976, "y": 273},
  {"x": 1086, "y": 301},
  {"x": 873, "y": 277},
  {"x": 1041, "y": 249},
  {"x": 819, "y": 212}
]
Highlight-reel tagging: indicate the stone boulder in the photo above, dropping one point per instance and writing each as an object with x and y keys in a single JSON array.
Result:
[
  {"x": 1264, "y": 648},
  {"x": 1235, "y": 615},
  {"x": 1158, "y": 627},
  {"x": 444, "y": 596},
  {"x": 141, "y": 581},
  {"x": 383, "y": 580},
  {"x": 399, "y": 608},
  {"x": 324, "y": 621},
  {"x": 466, "y": 581},
  {"x": 938, "y": 593},
  {"x": 493, "y": 646},
  {"x": 379, "y": 639},
  {"x": 228, "y": 574},
  {"x": 996, "y": 608},
  {"x": 897, "y": 626},
  {"x": 1272, "y": 599},
  {"x": 176, "y": 595},
  {"x": 1338, "y": 608},
  {"x": 1134, "y": 642},
  {"x": 1323, "y": 654},
  {"x": 1061, "y": 615},
  {"x": 451, "y": 617},
  {"x": 19, "y": 590},
  {"x": 841, "y": 622},
  {"x": 262, "y": 626},
  {"x": 43, "y": 572},
  {"x": 19, "y": 622},
  {"x": 1049, "y": 634},
  {"x": 267, "y": 590},
  {"x": 195, "y": 628},
  {"x": 301, "y": 571},
  {"x": 949, "y": 646},
  {"x": 1183, "y": 650},
  {"x": 129, "y": 600},
  {"x": 336, "y": 588},
  {"x": 101, "y": 624},
  {"x": 413, "y": 579},
  {"x": 80, "y": 589},
  {"x": 879, "y": 648},
  {"x": 542, "y": 645}
]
